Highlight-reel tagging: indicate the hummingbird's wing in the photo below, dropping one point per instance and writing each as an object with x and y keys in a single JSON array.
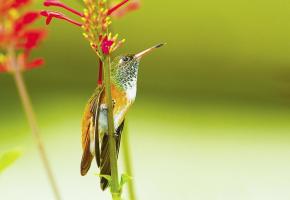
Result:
[
  {"x": 89, "y": 127},
  {"x": 105, "y": 155}
]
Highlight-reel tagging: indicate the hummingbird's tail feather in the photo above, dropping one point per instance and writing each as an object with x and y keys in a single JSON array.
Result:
[
  {"x": 86, "y": 159},
  {"x": 105, "y": 162},
  {"x": 105, "y": 168}
]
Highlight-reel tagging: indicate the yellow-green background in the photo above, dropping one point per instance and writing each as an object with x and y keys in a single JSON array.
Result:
[{"x": 212, "y": 116}]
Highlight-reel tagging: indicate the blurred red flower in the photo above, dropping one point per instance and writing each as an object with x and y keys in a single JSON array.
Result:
[
  {"x": 15, "y": 35},
  {"x": 131, "y": 6}
]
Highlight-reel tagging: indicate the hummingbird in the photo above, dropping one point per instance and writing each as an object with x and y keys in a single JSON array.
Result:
[{"x": 95, "y": 138}]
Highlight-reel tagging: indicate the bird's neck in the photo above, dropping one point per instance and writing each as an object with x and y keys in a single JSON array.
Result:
[
  {"x": 131, "y": 91},
  {"x": 127, "y": 81},
  {"x": 129, "y": 87}
]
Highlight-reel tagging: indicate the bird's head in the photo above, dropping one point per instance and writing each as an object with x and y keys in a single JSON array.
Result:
[{"x": 124, "y": 68}]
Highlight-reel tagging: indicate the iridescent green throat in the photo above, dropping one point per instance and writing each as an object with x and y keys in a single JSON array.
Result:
[{"x": 124, "y": 72}]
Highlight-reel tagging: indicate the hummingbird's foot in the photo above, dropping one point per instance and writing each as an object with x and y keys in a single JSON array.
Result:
[{"x": 113, "y": 102}]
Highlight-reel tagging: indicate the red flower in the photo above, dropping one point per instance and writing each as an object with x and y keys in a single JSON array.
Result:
[
  {"x": 35, "y": 63},
  {"x": 19, "y": 3},
  {"x": 116, "y": 7},
  {"x": 18, "y": 36},
  {"x": 57, "y": 3},
  {"x": 25, "y": 20},
  {"x": 32, "y": 38},
  {"x": 6, "y": 5},
  {"x": 2, "y": 68},
  {"x": 106, "y": 45},
  {"x": 132, "y": 6},
  {"x": 50, "y": 15}
]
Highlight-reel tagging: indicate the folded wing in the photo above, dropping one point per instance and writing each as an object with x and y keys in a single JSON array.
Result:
[{"x": 90, "y": 126}]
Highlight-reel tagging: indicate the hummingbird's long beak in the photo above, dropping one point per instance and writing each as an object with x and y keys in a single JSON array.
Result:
[{"x": 141, "y": 54}]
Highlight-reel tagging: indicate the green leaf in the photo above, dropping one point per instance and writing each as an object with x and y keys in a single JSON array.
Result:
[
  {"x": 125, "y": 178},
  {"x": 8, "y": 158}
]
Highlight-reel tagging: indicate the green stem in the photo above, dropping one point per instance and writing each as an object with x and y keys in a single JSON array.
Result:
[
  {"x": 128, "y": 162},
  {"x": 127, "y": 155},
  {"x": 112, "y": 142},
  {"x": 26, "y": 102}
]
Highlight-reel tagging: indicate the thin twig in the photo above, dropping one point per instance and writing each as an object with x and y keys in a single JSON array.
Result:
[
  {"x": 33, "y": 123},
  {"x": 128, "y": 162}
]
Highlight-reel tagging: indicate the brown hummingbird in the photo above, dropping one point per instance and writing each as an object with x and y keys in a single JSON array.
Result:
[{"x": 95, "y": 138}]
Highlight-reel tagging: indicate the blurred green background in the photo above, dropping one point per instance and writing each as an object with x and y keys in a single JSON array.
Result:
[{"x": 211, "y": 119}]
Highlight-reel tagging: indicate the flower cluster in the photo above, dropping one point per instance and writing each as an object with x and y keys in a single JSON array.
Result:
[
  {"x": 16, "y": 36},
  {"x": 95, "y": 24},
  {"x": 94, "y": 20}
]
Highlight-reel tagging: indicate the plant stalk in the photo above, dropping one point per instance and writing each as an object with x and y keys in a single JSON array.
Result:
[
  {"x": 112, "y": 142},
  {"x": 26, "y": 102},
  {"x": 128, "y": 162},
  {"x": 126, "y": 150}
]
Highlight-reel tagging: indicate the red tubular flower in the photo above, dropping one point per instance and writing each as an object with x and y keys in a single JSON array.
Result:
[
  {"x": 116, "y": 7},
  {"x": 19, "y": 3},
  {"x": 50, "y": 15},
  {"x": 18, "y": 36},
  {"x": 57, "y": 3},
  {"x": 35, "y": 63},
  {"x": 6, "y": 5},
  {"x": 2, "y": 68},
  {"x": 106, "y": 45},
  {"x": 100, "y": 78},
  {"x": 96, "y": 19},
  {"x": 32, "y": 39},
  {"x": 27, "y": 19},
  {"x": 132, "y": 6}
]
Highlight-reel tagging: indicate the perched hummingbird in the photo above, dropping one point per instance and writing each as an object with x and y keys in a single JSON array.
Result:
[{"x": 95, "y": 138}]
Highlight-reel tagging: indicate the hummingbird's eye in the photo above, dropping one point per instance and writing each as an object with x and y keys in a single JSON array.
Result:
[{"x": 125, "y": 58}]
